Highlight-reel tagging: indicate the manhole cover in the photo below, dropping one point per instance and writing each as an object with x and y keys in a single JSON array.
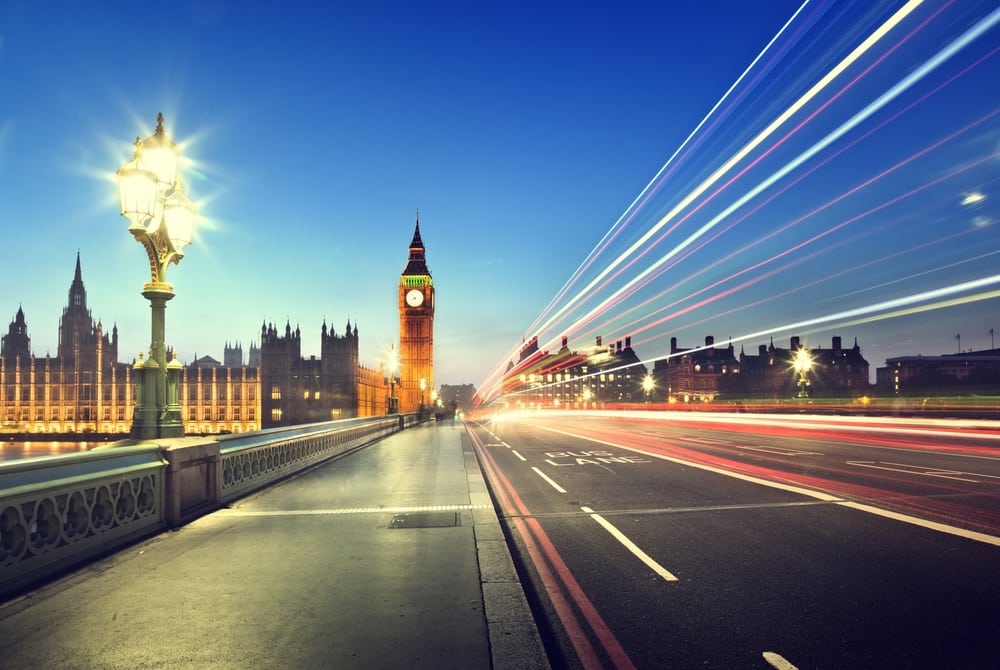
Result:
[{"x": 425, "y": 520}]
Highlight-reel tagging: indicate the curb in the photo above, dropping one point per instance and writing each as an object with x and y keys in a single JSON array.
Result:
[{"x": 515, "y": 643}]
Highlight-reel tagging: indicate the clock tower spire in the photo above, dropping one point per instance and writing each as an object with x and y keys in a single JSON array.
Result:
[{"x": 416, "y": 329}]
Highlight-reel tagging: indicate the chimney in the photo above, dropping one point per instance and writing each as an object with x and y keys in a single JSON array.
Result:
[
  {"x": 795, "y": 343},
  {"x": 618, "y": 345},
  {"x": 762, "y": 350},
  {"x": 709, "y": 340},
  {"x": 598, "y": 340},
  {"x": 673, "y": 345},
  {"x": 836, "y": 343},
  {"x": 565, "y": 342},
  {"x": 628, "y": 342}
]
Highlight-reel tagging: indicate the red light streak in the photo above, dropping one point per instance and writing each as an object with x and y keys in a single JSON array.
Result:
[{"x": 940, "y": 500}]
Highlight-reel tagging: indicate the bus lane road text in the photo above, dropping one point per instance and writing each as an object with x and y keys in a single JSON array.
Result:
[{"x": 562, "y": 458}]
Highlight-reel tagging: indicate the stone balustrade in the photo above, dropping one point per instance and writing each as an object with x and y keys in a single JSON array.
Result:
[{"x": 59, "y": 512}]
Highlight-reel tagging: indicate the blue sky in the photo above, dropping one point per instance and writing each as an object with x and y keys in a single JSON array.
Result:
[{"x": 522, "y": 132}]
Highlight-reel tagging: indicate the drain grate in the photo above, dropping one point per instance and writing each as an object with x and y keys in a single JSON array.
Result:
[{"x": 426, "y": 520}]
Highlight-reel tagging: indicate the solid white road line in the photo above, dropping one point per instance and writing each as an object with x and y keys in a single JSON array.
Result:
[
  {"x": 918, "y": 470},
  {"x": 549, "y": 480},
  {"x": 631, "y": 546}
]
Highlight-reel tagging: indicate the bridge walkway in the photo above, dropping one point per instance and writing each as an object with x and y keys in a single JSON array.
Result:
[{"x": 388, "y": 557}]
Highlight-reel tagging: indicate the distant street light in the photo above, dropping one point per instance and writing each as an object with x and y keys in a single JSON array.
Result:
[
  {"x": 647, "y": 386},
  {"x": 162, "y": 219},
  {"x": 392, "y": 374},
  {"x": 802, "y": 363}
]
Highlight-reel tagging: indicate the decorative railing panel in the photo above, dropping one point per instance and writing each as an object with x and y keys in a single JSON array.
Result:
[
  {"x": 248, "y": 465},
  {"x": 58, "y": 512}
]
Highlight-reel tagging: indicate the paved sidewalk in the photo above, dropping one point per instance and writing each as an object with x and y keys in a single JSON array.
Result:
[{"x": 390, "y": 557}]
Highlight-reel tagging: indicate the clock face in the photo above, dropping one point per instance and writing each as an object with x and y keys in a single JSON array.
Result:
[{"x": 414, "y": 298}]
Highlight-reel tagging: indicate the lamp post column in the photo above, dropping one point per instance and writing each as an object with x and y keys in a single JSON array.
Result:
[{"x": 157, "y": 411}]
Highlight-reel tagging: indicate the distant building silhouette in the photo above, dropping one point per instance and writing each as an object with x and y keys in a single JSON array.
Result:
[
  {"x": 966, "y": 372},
  {"x": 591, "y": 378},
  {"x": 604, "y": 376},
  {"x": 836, "y": 371},
  {"x": 695, "y": 374},
  {"x": 307, "y": 390},
  {"x": 460, "y": 394}
]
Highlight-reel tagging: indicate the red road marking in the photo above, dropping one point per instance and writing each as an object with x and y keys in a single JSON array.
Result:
[{"x": 543, "y": 554}]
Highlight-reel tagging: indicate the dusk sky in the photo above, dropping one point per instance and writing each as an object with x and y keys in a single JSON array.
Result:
[{"x": 747, "y": 170}]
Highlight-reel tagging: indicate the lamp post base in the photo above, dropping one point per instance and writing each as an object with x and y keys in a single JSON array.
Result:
[
  {"x": 154, "y": 428},
  {"x": 157, "y": 411}
]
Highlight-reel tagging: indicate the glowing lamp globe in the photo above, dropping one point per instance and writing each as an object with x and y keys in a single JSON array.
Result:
[
  {"x": 178, "y": 217},
  {"x": 159, "y": 152},
  {"x": 138, "y": 190}
]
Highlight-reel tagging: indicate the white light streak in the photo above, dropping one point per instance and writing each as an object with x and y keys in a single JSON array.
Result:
[
  {"x": 670, "y": 160},
  {"x": 851, "y": 123},
  {"x": 783, "y": 118}
]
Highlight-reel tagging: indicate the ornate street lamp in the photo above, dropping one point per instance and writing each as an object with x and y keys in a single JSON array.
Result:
[{"x": 161, "y": 218}]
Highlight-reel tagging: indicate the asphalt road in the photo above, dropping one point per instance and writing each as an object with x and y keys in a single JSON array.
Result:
[{"x": 744, "y": 542}]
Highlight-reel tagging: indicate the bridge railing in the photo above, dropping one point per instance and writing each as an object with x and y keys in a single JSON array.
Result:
[
  {"x": 65, "y": 510},
  {"x": 248, "y": 464},
  {"x": 59, "y": 512}
]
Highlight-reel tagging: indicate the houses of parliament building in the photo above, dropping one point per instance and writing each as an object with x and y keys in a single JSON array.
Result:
[{"x": 85, "y": 390}]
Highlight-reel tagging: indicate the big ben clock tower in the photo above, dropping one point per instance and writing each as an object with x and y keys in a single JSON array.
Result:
[{"x": 416, "y": 329}]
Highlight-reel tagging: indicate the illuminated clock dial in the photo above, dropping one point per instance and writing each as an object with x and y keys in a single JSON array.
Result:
[{"x": 414, "y": 298}]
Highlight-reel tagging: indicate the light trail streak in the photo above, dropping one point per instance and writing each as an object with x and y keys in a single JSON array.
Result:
[
  {"x": 806, "y": 242},
  {"x": 659, "y": 178},
  {"x": 828, "y": 160},
  {"x": 940, "y": 268},
  {"x": 783, "y": 118},
  {"x": 870, "y": 109},
  {"x": 635, "y": 329},
  {"x": 814, "y": 282},
  {"x": 870, "y": 312},
  {"x": 732, "y": 180},
  {"x": 698, "y": 262},
  {"x": 879, "y": 497}
]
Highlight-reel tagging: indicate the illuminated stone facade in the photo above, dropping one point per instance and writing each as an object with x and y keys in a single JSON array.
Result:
[{"x": 85, "y": 390}]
